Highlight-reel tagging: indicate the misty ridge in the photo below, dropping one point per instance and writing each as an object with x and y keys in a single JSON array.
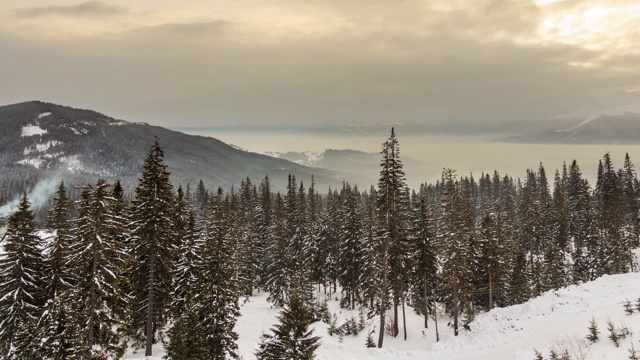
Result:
[{"x": 44, "y": 143}]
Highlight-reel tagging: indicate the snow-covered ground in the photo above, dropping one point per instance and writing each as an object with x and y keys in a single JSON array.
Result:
[{"x": 556, "y": 317}]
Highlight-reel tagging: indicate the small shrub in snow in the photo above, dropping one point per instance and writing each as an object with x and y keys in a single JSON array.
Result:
[
  {"x": 333, "y": 325},
  {"x": 613, "y": 333},
  {"x": 628, "y": 307},
  {"x": 369, "y": 342},
  {"x": 324, "y": 313},
  {"x": 633, "y": 354},
  {"x": 638, "y": 304},
  {"x": 593, "y": 331},
  {"x": 538, "y": 355},
  {"x": 616, "y": 334},
  {"x": 574, "y": 348}
]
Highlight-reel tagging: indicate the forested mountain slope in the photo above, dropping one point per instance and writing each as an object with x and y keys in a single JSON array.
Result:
[{"x": 40, "y": 140}]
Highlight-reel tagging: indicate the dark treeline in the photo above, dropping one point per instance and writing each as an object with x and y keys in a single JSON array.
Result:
[{"x": 172, "y": 265}]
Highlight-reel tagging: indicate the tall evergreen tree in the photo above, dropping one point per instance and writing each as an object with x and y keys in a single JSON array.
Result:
[
  {"x": 97, "y": 297},
  {"x": 153, "y": 233},
  {"x": 21, "y": 291},
  {"x": 263, "y": 225},
  {"x": 454, "y": 234},
  {"x": 424, "y": 259},
  {"x": 204, "y": 329},
  {"x": 59, "y": 336},
  {"x": 391, "y": 231},
  {"x": 351, "y": 248},
  {"x": 277, "y": 276}
]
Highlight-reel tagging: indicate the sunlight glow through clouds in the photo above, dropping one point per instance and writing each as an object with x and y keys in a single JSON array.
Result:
[{"x": 590, "y": 25}]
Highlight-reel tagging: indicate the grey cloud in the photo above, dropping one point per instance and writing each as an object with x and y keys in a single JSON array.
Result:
[
  {"x": 88, "y": 8},
  {"x": 195, "y": 30},
  {"x": 445, "y": 66}
]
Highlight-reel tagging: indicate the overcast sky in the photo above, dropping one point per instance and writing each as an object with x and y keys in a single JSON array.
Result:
[{"x": 203, "y": 62}]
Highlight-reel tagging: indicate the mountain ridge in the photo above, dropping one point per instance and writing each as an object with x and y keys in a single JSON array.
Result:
[{"x": 39, "y": 139}]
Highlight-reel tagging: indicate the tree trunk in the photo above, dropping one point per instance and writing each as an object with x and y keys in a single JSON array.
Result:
[
  {"x": 404, "y": 319},
  {"x": 490, "y": 292},
  {"x": 426, "y": 304},
  {"x": 92, "y": 301},
  {"x": 383, "y": 299},
  {"x": 149, "y": 343},
  {"x": 455, "y": 306},
  {"x": 396, "y": 329},
  {"x": 435, "y": 320},
  {"x": 383, "y": 289}
]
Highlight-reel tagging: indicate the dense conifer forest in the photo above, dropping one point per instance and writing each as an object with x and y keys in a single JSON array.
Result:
[{"x": 173, "y": 264}]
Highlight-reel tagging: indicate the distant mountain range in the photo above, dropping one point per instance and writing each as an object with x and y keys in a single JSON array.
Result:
[
  {"x": 340, "y": 160},
  {"x": 41, "y": 140},
  {"x": 599, "y": 129}
]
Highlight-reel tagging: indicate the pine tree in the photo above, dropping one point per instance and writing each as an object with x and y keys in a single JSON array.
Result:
[
  {"x": 218, "y": 305},
  {"x": 613, "y": 255},
  {"x": 291, "y": 338},
  {"x": 97, "y": 299},
  {"x": 492, "y": 259},
  {"x": 263, "y": 225},
  {"x": 391, "y": 246},
  {"x": 454, "y": 232},
  {"x": 246, "y": 257},
  {"x": 21, "y": 292},
  {"x": 208, "y": 319},
  {"x": 60, "y": 337},
  {"x": 276, "y": 276},
  {"x": 579, "y": 222},
  {"x": 152, "y": 241},
  {"x": 424, "y": 259},
  {"x": 351, "y": 248}
]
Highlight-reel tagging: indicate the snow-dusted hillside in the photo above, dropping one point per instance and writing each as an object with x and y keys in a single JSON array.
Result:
[{"x": 555, "y": 318}]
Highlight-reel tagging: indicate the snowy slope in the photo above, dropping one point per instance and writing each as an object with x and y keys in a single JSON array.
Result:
[{"x": 507, "y": 333}]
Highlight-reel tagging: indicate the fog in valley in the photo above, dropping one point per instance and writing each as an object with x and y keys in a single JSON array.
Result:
[{"x": 424, "y": 157}]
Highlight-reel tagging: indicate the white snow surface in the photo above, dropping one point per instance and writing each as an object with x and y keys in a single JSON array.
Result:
[
  {"x": 37, "y": 162},
  {"x": 44, "y": 114},
  {"x": 506, "y": 333},
  {"x": 32, "y": 130}
]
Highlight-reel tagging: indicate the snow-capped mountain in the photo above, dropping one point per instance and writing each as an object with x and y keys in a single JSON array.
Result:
[
  {"x": 39, "y": 140},
  {"x": 593, "y": 129}
]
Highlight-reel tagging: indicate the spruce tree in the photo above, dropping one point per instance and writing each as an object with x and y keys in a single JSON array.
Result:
[
  {"x": 97, "y": 300},
  {"x": 492, "y": 260},
  {"x": 291, "y": 338},
  {"x": 217, "y": 291},
  {"x": 276, "y": 275},
  {"x": 21, "y": 291},
  {"x": 391, "y": 244},
  {"x": 152, "y": 240},
  {"x": 263, "y": 216},
  {"x": 59, "y": 336},
  {"x": 204, "y": 328},
  {"x": 424, "y": 259},
  {"x": 454, "y": 233},
  {"x": 351, "y": 248}
]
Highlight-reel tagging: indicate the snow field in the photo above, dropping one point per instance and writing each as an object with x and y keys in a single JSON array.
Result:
[
  {"x": 505, "y": 333},
  {"x": 32, "y": 130}
]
